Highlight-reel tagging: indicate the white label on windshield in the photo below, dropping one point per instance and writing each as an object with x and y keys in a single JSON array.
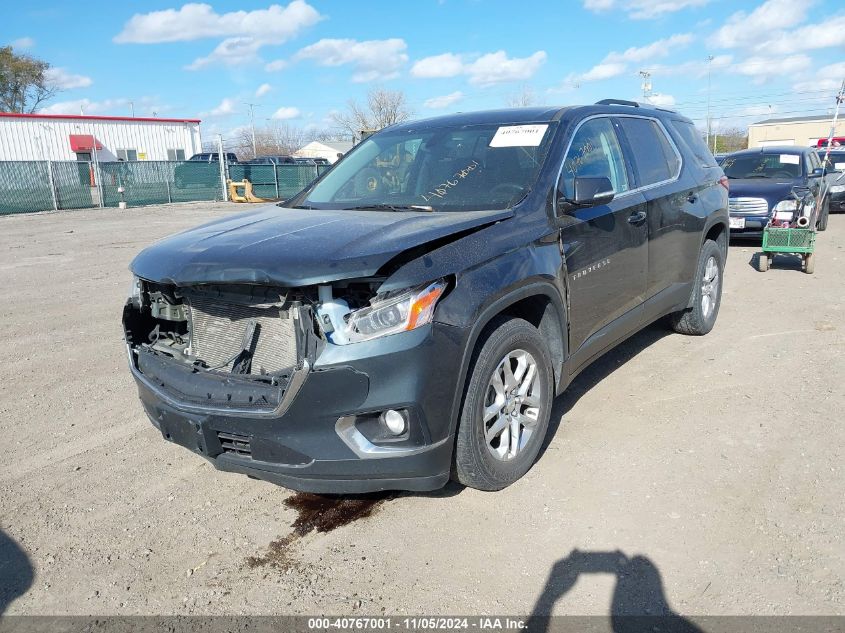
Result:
[
  {"x": 790, "y": 159},
  {"x": 519, "y": 136},
  {"x": 839, "y": 165}
]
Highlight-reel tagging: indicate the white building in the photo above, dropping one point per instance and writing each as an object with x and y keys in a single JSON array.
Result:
[
  {"x": 324, "y": 149},
  {"x": 72, "y": 137}
]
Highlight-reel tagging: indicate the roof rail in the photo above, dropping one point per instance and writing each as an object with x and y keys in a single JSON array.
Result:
[{"x": 618, "y": 102}]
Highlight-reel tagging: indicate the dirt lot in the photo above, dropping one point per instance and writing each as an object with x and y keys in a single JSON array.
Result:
[{"x": 704, "y": 475}]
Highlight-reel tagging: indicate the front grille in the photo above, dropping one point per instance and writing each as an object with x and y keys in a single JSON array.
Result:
[
  {"x": 748, "y": 206},
  {"x": 235, "y": 444},
  {"x": 218, "y": 329}
]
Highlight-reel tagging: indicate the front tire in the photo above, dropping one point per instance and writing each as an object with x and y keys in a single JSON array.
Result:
[
  {"x": 507, "y": 405},
  {"x": 706, "y": 293},
  {"x": 821, "y": 225}
]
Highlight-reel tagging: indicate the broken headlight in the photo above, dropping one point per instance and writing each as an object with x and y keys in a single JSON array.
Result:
[
  {"x": 135, "y": 292},
  {"x": 394, "y": 312}
]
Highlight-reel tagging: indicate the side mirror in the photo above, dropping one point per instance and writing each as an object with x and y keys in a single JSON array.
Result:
[
  {"x": 817, "y": 172},
  {"x": 588, "y": 192}
]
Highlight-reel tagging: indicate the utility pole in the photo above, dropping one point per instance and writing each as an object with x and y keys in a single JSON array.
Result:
[
  {"x": 646, "y": 75},
  {"x": 709, "y": 66},
  {"x": 252, "y": 126},
  {"x": 132, "y": 108},
  {"x": 840, "y": 99}
]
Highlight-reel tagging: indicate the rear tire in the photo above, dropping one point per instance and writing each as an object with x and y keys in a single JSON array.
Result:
[
  {"x": 762, "y": 262},
  {"x": 706, "y": 293},
  {"x": 500, "y": 432},
  {"x": 810, "y": 263}
]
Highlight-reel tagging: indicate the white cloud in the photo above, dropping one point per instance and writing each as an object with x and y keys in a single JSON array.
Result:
[
  {"x": 63, "y": 80},
  {"x": 643, "y": 9},
  {"x": 615, "y": 64},
  {"x": 286, "y": 113},
  {"x": 661, "y": 100},
  {"x": 23, "y": 43},
  {"x": 660, "y": 48},
  {"x": 695, "y": 68},
  {"x": 600, "y": 72},
  {"x": 275, "y": 24},
  {"x": 233, "y": 51},
  {"x": 748, "y": 29},
  {"x": 827, "y": 78},
  {"x": 445, "y": 65},
  {"x": 494, "y": 68},
  {"x": 263, "y": 89},
  {"x": 372, "y": 60},
  {"x": 761, "y": 69},
  {"x": 226, "y": 107},
  {"x": 144, "y": 106},
  {"x": 276, "y": 65},
  {"x": 485, "y": 70},
  {"x": 438, "y": 103},
  {"x": 827, "y": 34}
]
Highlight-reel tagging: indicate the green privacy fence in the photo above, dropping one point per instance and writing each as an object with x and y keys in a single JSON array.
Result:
[
  {"x": 30, "y": 186},
  {"x": 276, "y": 182}
]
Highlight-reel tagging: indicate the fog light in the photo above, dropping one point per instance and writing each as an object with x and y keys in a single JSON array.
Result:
[{"x": 394, "y": 421}]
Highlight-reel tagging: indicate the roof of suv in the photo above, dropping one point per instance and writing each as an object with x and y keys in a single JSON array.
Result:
[{"x": 532, "y": 114}]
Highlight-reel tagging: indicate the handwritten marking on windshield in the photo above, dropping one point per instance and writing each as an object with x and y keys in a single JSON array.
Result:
[{"x": 443, "y": 188}]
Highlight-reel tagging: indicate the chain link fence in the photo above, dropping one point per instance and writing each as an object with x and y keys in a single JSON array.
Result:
[{"x": 31, "y": 186}]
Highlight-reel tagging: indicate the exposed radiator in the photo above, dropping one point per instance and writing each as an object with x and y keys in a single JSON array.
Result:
[{"x": 218, "y": 329}]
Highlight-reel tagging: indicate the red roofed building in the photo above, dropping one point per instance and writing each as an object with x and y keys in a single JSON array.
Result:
[{"x": 101, "y": 138}]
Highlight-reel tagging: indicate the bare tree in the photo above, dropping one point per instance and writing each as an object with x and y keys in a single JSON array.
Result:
[
  {"x": 729, "y": 139},
  {"x": 521, "y": 99},
  {"x": 384, "y": 107},
  {"x": 274, "y": 139},
  {"x": 24, "y": 82}
]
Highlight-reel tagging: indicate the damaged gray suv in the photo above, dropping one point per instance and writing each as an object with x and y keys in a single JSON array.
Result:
[{"x": 410, "y": 316}]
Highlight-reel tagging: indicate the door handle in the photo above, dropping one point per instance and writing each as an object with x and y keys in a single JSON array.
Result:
[
  {"x": 636, "y": 218},
  {"x": 692, "y": 198}
]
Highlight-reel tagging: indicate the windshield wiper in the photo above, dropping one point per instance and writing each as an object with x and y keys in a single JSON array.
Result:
[
  {"x": 390, "y": 207},
  {"x": 757, "y": 176}
]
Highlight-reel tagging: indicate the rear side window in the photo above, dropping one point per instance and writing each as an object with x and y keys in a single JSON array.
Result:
[
  {"x": 654, "y": 156},
  {"x": 690, "y": 136},
  {"x": 594, "y": 152}
]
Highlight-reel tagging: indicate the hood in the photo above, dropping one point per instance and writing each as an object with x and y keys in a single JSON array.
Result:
[
  {"x": 772, "y": 190},
  {"x": 298, "y": 247}
]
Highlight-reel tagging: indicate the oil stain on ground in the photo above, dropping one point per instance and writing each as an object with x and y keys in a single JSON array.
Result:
[{"x": 316, "y": 513}]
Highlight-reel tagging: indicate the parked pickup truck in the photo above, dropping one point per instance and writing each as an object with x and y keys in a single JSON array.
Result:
[{"x": 410, "y": 317}]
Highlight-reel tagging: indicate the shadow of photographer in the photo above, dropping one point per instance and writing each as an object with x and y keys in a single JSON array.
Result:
[{"x": 639, "y": 602}]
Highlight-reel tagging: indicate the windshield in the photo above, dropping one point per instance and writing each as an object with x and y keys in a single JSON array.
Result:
[
  {"x": 763, "y": 166},
  {"x": 835, "y": 160},
  {"x": 464, "y": 168}
]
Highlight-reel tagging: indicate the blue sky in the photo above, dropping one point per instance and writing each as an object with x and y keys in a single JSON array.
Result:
[{"x": 299, "y": 60}]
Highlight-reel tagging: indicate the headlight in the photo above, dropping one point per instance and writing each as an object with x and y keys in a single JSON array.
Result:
[
  {"x": 787, "y": 205},
  {"x": 837, "y": 189},
  {"x": 394, "y": 312},
  {"x": 135, "y": 292}
]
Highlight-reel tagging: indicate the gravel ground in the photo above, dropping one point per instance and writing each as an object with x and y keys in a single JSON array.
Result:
[{"x": 702, "y": 475}]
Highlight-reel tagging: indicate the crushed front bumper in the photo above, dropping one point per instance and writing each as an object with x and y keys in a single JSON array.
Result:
[{"x": 321, "y": 436}]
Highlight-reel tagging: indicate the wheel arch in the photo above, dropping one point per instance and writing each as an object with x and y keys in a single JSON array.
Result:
[
  {"x": 718, "y": 232},
  {"x": 540, "y": 304}
]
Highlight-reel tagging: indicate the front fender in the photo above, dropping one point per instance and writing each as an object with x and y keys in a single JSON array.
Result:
[{"x": 490, "y": 289}]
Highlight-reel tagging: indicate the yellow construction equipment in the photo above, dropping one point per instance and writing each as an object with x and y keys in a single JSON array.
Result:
[{"x": 247, "y": 196}]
